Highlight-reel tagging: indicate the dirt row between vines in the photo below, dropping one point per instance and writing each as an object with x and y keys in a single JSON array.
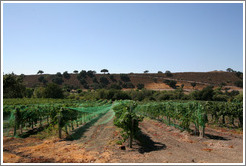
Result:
[{"x": 157, "y": 143}]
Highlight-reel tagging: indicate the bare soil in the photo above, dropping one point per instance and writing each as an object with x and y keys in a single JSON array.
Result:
[{"x": 157, "y": 143}]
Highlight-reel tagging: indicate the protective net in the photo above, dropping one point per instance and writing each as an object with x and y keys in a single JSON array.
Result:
[{"x": 19, "y": 119}]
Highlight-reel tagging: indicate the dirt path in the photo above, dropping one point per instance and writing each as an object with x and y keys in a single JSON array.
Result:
[
  {"x": 169, "y": 145},
  {"x": 157, "y": 143}
]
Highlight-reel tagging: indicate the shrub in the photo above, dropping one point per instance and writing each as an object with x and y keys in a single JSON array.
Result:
[
  {"x": 82, "y": 75},
  {"x": 104, "y": 80},
  {"x": 57, "y": 80},
  {"x": 168, "y": 73},
  {"x": 115, "y": 86},
  {"x": 140, "y": 86},
  {"x": 239, "y": 83},
  {"x": 90, "y": 73},
  {"x": 171, "y": 83},
  {"x": 53, "y": 91},
  {"x": 41, "y": 78},
  {"x": 94, "y": 80},
  {"x": 112, "y": 78},
  {"x": 125, "y": 77},
  {"x": 66, "y": 75}
]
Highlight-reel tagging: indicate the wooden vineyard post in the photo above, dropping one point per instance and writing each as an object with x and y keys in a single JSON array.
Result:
[
  {"x": 196, "y": 130},
  {"x": 66, "y": 129},
  {"x": 131, "y": 133},
  {"x": 20, "y": 128},
  {"x": 202, "y": 127},
  {"x": 17, "y": 119},
  {"x": 59, "y": 125},
  {"x": 15, "y": 125},
  {"x": 40, "y": 121}
]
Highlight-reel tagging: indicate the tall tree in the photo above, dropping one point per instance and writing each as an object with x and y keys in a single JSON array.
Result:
[
  {"x": 13, "y": 86},
  {"x": 40, "y": 72},
  {"x": 104, "y": 71}
]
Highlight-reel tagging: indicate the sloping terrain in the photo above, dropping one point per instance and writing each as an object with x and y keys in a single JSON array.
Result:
[{"x": 152, "y": 81}]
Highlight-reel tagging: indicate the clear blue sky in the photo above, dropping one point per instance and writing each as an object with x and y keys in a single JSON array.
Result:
[{"x": 122, "y": 38}]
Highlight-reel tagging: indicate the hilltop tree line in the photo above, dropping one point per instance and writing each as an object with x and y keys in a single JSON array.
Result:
[
  {"x": 106, "y": 84},
  {"x": 13, "y": 87}
]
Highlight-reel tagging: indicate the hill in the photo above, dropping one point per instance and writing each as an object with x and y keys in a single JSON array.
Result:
[{"x": 152, "y": 81}]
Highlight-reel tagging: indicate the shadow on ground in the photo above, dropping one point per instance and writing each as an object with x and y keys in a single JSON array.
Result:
[
  {"x": 78, "y": 133},
  {"x": 215, "y": 137},
  {"x": 147, "y": 144},
  {"x": 33, "y": 131}
]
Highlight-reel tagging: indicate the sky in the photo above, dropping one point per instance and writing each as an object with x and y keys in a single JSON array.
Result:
[{"x": 122, "y": 37}]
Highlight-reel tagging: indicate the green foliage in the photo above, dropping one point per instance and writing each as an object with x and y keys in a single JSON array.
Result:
[
  {"x": 115, "y": 86},
  {"x": 94, "y": 80},
  {"x": 58, "y": 74},
  {"x": 104, "y": 80},
  {"x": 112, "y": 78},
  {"x": 75, "y": 71},
  {"x": 193, "y": 84},
  {"x": 239, "y": 74},
  {"x": 229, "y": 70},
  {"x": 206, "y": 93},
  {"x": 168, "y": 73},
  {"x": 83, "y": 81},
  {"x": 53, "y": 91},
  {"x": 140, "y": 86},
  {"x": 57, "y": 79},
  {"x": 146, "y": 71},
  {"x": 91, "y": 73},
  {"x": 41, "y": 78},
  {"x": 104, "y": 71},
  {"x": 40, "y": 72},
  {"x": 128, "y": 85},
  {"x": 13, "y": 86},
  {"x": 66, "y": 75},
  {"x": 127, "y": 119},
  {"x": 125, "y": 77},
  {"x": 29, "y": 92},
  {"x": 82, "y": 75},
  {"x": 38, "y": 92},
  {"x": 171, "y": 83},
  {"x": 239, "y": 83},
  {"x": 96, "y": 86}
]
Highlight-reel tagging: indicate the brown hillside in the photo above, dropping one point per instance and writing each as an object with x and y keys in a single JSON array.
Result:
[{"x": 153, "y": 81}]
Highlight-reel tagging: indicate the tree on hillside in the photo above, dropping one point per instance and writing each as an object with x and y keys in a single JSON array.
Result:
[
  {"x": 146, "y": 71},
  {"x": 229, "y": 70},
  {"x": 112, "y": 78},
  {"x": 140, "y": 86},
  {"x": 41, "y": 78},
  {"x": 58, "y": 74},
  {"x": 82, "y": 75},
  {"x": 104, "y": 71},
  {"x": 168, "y": 73},
  {"x": 125, "y": 77},
  {"x": 193, "y": 84},
  {"x": 66, "y": 75},
  {"x": 53, "y": 91},
  {"x": 159, "y": 72},
  {"x": 13, "y": 86},
  {"x": 90, "y": 73},
  {"x": 104, "y": 80},
  {"x": 40, "y": 72},
  {"x": 75, "y": 71}
]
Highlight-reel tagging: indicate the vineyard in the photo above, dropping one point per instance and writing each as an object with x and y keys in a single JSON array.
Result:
[{"x": 23, "y": 117}]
